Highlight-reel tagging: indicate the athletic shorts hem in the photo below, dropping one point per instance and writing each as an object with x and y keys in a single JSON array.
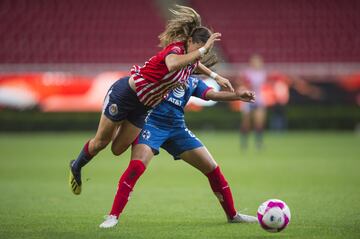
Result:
[
  {"x": 121, "y": 103},
  {"x": 114, "y": 120},
  {"x": 153, "y": 149},
  {"x": 177, "y": 155}
]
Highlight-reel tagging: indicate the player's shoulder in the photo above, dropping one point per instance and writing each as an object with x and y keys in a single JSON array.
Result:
[{"x": 175, "y": 47}]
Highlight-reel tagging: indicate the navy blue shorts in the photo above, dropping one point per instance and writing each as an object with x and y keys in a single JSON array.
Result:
[
  {"x": 175, "y": 141},
  {"x": 121, "y": 103}
]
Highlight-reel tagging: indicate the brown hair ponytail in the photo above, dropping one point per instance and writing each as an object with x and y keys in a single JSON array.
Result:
[
  {"x": 185, "y": 23},
  {"x": 181, "y": 26}
]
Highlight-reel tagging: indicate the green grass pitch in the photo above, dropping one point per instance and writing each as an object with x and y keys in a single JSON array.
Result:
[{"x": 317, "y": 174}]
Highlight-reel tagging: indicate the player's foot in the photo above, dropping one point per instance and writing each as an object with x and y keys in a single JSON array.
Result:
[
  {"x": 75, "y": 179},
  {"x": 110, "y": 221},
  {"x": 242, "y": 218}
]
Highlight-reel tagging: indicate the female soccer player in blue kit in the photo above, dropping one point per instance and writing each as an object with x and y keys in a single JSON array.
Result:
[{"x": 165, "y": 127}]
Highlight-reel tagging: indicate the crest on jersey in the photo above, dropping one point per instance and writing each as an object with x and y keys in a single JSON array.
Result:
[
  {"x": 179, "y": 92},
  {"x": 194, "y": 83},
  {"x": 113, "y": 109},
  {"x": 146, "y": 134}
]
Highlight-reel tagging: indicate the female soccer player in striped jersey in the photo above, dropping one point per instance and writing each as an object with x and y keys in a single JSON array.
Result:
[
  {"x": 165, "y": 127},
  {"x": 185, "y": 43}
]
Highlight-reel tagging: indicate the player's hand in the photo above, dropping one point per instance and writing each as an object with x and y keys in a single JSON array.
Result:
[
  {"x": 225, "y": 83},
  {"x": 212, "y": 39},
  {"x": 246, "y": 95}
]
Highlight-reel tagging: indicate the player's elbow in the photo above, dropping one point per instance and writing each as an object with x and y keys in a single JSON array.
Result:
[{"x": 172, "y": 66}]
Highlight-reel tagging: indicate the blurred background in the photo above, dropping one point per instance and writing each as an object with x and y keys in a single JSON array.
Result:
[{"x": 59, "y": 57}]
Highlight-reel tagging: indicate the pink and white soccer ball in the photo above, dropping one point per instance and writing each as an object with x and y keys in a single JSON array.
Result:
[{"x": 274, "y": 215}]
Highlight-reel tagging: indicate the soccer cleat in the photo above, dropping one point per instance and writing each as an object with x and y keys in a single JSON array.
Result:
[
  {"x": 110, "y": 221},
  {"x": 242, "y": 218},
  {"x": 74, "y": 180}
]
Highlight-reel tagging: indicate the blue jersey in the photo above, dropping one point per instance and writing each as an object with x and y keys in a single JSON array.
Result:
[
  {"x": 170, "y": 112},
  {"x": 165, "y": 125}
]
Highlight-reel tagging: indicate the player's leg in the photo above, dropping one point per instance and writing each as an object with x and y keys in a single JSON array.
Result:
[
  {"x": 245, "y": 126},
  {"x": 119, "y": 102},
  {"x": 129, "y": 129},
  {"x": 184, "y": 144},
  {"x": 124, "y": 137},
  {"x": 103, "y": 135},
  {"x": 141, "y": 156},
  {"x": 259, "y": 123},
  {"x": 201, "y": 159},
  {"x": 91, "y": 148},
  {"x": 143, "y": 150}
]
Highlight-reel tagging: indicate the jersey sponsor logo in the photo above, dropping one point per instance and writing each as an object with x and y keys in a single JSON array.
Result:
[
  {"x": 175, "y": 101},
  {"x": 162, "y": 88},
  {"x": 146, "y": 134},
  {"x": 179, "y": 92},
  {"x": 113, "y": 109},
  {"x": 155, "y": 88}
]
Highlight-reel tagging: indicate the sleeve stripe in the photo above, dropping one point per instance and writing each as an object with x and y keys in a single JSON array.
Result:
[{"x": 204, "y": 93}]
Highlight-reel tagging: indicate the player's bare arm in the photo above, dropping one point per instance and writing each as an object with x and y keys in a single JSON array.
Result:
[
  {"x": 243, "y": 95},
  {"x": 222, "y": 81}
]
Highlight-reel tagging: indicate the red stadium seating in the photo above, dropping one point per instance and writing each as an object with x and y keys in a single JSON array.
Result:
[
  {"x": 286, "y": 30},
  {"x": 78, "y": 31},
  {"x": 125, "y": 31}
]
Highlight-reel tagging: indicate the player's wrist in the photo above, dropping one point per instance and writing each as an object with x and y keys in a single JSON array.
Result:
[
  {"x": 202, "y": 51},
  {"x": 213, "y": 75}
]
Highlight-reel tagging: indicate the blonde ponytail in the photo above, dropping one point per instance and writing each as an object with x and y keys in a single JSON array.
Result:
[{"x": 181, "y": 26}]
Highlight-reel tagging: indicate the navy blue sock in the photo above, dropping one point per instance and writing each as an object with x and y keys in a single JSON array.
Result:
[{"x": 83, "y": 158}]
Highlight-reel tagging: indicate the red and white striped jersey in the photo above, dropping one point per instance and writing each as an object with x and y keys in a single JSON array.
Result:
[{"x": 153, "y": 80}]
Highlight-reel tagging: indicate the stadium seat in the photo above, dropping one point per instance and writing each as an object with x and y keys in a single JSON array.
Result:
[
  {"x": 77, "y": 31},
  {"x": 285, "y": 31}
]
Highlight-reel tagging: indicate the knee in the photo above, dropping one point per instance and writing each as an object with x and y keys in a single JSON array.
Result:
[{"x": 210, "y": 168}]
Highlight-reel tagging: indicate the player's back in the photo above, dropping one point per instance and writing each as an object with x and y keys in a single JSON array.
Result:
[{"x": 153, "y": 80}]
